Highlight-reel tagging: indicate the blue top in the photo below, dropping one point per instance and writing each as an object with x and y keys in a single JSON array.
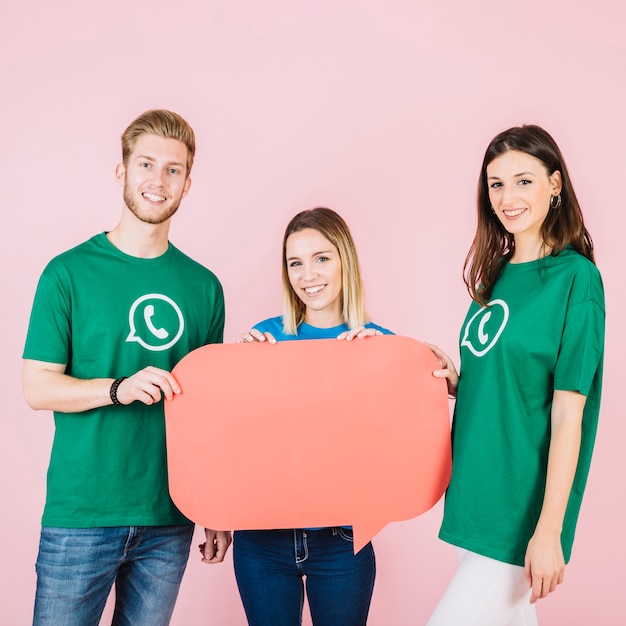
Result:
[{"x": 274, "y": 325}]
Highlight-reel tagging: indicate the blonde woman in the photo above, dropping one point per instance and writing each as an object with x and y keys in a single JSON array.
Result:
[{"x": 322, "y": 299}]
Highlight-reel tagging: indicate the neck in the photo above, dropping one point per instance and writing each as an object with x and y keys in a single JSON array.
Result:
[
  {"x": 324, "y": 319},
  {"x": 529, "y": 249},
  {"x": 138, "y": 239}
]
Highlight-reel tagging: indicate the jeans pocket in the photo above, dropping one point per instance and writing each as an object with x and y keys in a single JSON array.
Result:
[{"x": 345, "y": 533}]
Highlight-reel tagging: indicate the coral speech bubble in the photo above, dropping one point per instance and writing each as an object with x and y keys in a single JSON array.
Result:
[{"x": 306, "y": 434}]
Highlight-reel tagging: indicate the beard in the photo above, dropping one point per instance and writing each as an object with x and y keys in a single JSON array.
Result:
[{"x": 150, "y": 217}]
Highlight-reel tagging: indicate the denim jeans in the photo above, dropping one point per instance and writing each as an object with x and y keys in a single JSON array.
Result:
[
  {"x": 270, "y": 565},
  {"x": 76, "y": 568}
]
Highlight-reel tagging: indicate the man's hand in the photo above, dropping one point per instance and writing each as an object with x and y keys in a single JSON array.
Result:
[{"x": 147, "y": 385}]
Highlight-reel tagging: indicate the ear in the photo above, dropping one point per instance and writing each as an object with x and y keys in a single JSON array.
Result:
[
  {"x": 120, "y": 174},
  {"x": 556, "y": 182},
  {"x": 186, "y": 187}
]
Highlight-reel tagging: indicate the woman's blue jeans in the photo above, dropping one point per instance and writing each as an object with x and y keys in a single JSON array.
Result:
[
  {"x": 76, "y": 568},
  {"x": 270, "y": 566}
]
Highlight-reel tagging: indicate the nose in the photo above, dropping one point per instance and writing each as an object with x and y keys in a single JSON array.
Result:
[
  {"x": 158, "y": 176},
  {"x": 310, "y": 271},
  {"x": 509, "y": 194}
]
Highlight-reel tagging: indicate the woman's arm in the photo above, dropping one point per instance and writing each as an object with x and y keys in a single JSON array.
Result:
[
  {"x": 544, "y": 563},
  {"x": 448, "y": 371},
  {"x": 359, "y": 332},
  {"x": 256, "y": 335}
]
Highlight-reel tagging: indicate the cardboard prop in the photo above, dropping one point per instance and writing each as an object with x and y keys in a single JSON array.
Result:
[{"x": 307, "y": 434}]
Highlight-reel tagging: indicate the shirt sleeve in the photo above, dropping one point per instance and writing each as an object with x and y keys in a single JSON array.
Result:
[
  {"x": 582, "y": 343},
  {"x": 216, "y": 330},
  {"x": 49, "y": 330},
  {"x": 273, "y": 325},
  {"x": 384, "y": 331}
]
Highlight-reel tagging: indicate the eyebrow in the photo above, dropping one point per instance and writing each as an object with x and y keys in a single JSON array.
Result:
[
  {"x": 153, "y": 160},
  {"x": 514, "y": 175},
  {"x": 294, "y": 258}
]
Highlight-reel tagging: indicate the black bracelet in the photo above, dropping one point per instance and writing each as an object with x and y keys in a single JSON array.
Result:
[{"x": 113, "y": 390}]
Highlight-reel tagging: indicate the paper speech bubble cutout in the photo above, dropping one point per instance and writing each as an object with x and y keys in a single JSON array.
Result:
[{"x": 306, "y": 434}]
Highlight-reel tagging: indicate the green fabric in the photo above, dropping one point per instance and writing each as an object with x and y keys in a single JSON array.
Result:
[
  {"x": 106, "y": 314},
  {"x": 543, "y": 331}
]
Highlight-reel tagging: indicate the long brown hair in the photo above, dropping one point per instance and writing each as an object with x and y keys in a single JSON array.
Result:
[
  {"x": 335, "y": 229},
  {"x": 564, "y": 226}
]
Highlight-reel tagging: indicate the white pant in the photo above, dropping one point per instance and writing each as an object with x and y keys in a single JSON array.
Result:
[{"x": 485, "y": 592}]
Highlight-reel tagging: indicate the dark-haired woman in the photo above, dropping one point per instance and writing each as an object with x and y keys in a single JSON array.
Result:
[{"x": 527, "y": 399}]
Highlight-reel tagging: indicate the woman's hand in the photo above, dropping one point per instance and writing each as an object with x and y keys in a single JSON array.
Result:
[
  {"x": 256, "y": 335},
  {"x": 216, "y": 546},
  {"x": 448, "y": 371},
  {"x": 359, "y": 332},
  {"x": 544, "y": 565}
]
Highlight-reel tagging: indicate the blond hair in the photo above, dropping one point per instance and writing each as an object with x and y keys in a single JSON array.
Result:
[
  {"x": 332, "y": 226},
  {"x": 162, "y": 123}
]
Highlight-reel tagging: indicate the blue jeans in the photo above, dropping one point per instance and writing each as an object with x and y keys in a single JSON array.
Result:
[
  {"x": 270, "y": 565},
  {"x": 76, "y": 568}
]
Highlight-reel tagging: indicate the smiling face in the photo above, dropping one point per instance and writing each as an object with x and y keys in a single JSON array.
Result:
[
  {"x": 154, "y": 178},
  {"x": 520, "y": 189},
  {"x": 314, "y": 270}
]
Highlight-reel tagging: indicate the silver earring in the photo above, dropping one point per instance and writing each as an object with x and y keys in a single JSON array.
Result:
[{"x": 555, "y": 202}]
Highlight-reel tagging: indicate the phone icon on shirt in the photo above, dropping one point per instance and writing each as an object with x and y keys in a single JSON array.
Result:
[
  {"x": 484, "y": 328},
  {"x": 148, "y": 313},
  {"x": 483, "y": 337}
]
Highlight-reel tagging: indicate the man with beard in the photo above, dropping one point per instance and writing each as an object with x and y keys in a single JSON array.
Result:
[{"x": 110, "y": 319}]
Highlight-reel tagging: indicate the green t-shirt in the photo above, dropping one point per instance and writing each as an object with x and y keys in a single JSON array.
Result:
[
  {"x": 543, "y": 330},
  {"x": 107, "y": 314}
]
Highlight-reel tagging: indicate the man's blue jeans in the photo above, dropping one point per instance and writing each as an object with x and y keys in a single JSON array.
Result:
[
  {"x": 76, "y": 568},
  {"x": 270, "y": 565}
]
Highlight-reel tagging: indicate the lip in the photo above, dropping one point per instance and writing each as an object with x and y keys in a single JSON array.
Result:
[
  {"x": 320, "y": 289},
  {"x": 513, "y": 214},
  {"x": 153, "y": 198}
]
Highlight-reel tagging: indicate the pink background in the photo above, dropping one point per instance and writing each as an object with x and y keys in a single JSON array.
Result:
[{"x": 380, "y": 109}]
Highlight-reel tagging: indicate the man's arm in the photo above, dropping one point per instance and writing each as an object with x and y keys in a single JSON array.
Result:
[{"x": 47, "y": 387}]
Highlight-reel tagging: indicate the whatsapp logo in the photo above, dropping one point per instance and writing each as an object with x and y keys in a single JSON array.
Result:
[
  {"x": 484, "y": 328},
  {"x": 156, "y": 322}
]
